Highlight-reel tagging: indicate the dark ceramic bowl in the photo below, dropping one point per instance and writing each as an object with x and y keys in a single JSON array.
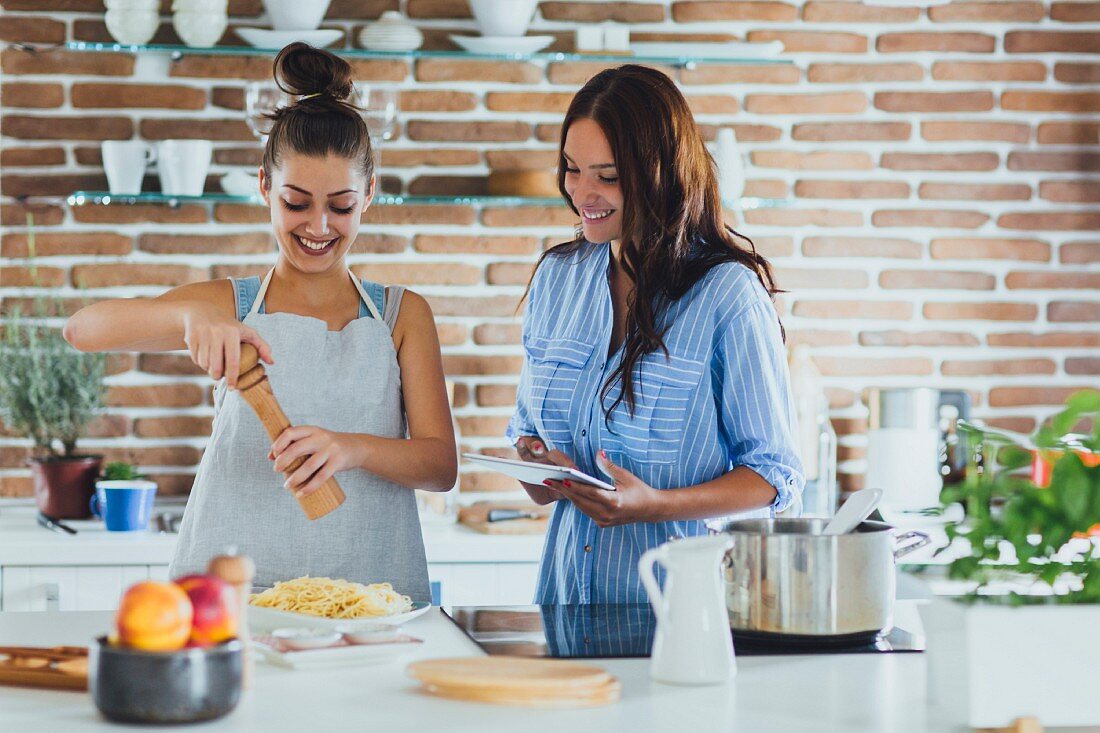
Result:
[{"x": 186, "y": 686}]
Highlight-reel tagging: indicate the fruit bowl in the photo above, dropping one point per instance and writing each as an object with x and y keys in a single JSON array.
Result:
[{"x": 185, "y": 686}]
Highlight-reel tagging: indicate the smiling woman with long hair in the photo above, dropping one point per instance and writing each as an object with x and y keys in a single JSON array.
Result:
[{"x": 653, "y": 353}]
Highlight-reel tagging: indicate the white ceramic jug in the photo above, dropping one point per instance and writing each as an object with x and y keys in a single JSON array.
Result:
[{"x": 693, "y": 644}]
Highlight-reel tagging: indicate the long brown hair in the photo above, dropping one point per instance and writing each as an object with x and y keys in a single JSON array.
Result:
[
  {"x": 672, "y": 228},
  {"x": 320, "y": 120}
]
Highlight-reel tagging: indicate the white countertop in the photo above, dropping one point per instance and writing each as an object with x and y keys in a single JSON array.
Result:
[
  {"x": 883, "y": 693},
  {"x": 23, "y": 542}
]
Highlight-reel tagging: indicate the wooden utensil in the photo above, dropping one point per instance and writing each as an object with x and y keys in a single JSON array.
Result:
[
  {"x": 517, "y": 681},
  {"x": 59, "y": 667},
  {"x": 238, "y": 571},
  {"x": 256, "y": 390}
]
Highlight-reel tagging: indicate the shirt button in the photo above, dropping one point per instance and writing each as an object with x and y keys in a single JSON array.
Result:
[
  {"x": 586, "y": 640},
  {"x": 588, "y": 548},
  {"x": 584, "y": 433}
]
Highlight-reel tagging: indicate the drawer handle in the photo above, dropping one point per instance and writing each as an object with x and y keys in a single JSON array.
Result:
[{"x": 53, "y": 597}]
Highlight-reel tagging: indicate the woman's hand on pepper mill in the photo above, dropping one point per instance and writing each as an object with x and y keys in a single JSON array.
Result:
[
  {"x": 327, "y": 452},
  {"x": 215, "y": 341},
  {"x": 632, "y": 501}
]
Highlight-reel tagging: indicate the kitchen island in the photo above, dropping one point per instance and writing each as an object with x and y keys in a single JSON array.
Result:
[{"x": 880, "y": 693}]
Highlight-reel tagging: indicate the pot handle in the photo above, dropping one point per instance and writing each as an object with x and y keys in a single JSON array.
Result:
[
  {"x": 649, "y": 580},
  {"x": 901, "y": 549}
]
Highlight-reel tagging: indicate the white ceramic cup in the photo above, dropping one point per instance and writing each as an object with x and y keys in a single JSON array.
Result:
[
  {"x": 503, "y": 17},
  {"x": 182, "y": 165},
  {"x": 296, "y": 15},
  {"x": 131, "y": 26},
  {"x": 124, "y": 162}
]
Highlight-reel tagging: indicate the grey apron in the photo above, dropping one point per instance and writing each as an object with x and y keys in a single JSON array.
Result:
[{"x": 345, "y": 381}]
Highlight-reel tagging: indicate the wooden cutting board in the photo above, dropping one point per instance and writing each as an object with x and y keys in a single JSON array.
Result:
[
  {"x": 517, "y": 681},
  {"x": 60, "y": 668},
  {"x": 476, "y": 515}
]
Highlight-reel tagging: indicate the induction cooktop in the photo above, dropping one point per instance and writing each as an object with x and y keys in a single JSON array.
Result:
[{"x": 626, "y": 630}]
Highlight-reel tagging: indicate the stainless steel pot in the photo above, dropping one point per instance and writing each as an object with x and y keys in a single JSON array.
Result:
[{"x": 784, "y": 577}]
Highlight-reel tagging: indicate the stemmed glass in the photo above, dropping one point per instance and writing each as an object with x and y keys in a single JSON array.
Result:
[{"x": 379, "y": 105}]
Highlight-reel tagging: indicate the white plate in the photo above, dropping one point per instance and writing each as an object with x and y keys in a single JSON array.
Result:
[
  {"x": 342, "y": 655},
  {"x": 503, "y": 44},
  {"x": 269, "y": 619},
  {"x": 267, "y": 38},
  {"x": 728, "y": 50}
]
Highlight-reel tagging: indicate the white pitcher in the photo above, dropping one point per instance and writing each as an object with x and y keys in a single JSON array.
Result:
[{"x": 693, "y": 644}]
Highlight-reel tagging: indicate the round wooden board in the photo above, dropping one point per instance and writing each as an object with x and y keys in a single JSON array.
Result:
[{"x": 510, "y": 675}]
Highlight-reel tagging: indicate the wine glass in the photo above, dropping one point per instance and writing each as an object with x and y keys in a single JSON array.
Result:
[
  {"x": 261, "y": 98},
  {"x": 379, "y": 105}
]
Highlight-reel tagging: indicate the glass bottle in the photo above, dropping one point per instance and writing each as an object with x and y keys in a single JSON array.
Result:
[{"x": 819, "y": 499}]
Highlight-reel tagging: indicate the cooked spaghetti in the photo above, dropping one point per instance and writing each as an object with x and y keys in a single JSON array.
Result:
[{"x": 331, "y": 598}]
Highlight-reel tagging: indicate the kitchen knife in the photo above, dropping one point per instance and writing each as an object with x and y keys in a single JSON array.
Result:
[
  {"x": 503, "y": 515},
  {"x": 55, "y": 525}
]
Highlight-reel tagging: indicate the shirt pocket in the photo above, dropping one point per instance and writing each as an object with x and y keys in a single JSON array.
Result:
[
  {"x": 663, "y": 391},
  {"x": 556, "y": 368}
]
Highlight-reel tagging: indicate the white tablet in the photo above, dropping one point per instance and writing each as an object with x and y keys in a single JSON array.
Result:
[{"x": 534, "y": 473}]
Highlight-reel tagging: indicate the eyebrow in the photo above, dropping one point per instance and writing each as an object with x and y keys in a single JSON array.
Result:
[
  {"x": 307, "y": 193},
  {"x": 598, "y": 166}
]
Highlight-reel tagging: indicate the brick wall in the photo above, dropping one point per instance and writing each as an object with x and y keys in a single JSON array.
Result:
[{"x": 941, "y": 163}]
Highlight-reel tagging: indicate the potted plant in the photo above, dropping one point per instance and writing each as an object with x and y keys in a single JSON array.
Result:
[
  {"x": 1023, "y": 641},
  {"x": 49, "y": 392}
]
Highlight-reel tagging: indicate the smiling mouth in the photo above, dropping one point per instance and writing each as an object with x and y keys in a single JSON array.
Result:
[
  {"x": 314, "y": 246},
  {"x": 596, "y": 215}
]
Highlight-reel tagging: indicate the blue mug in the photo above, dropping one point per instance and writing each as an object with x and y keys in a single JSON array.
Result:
[{"x": 124, "y": 506}]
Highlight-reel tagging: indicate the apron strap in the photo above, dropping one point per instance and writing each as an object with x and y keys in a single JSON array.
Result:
[{"x": 355, "y": 281}]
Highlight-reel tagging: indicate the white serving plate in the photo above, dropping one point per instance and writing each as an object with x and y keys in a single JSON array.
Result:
[
  {"x": 267, "y": 38},
  {"x": 338, "y": 655},
  {"x": 727, "y": 50},
  {"x": 503, "y": 44},
  {"x": 269, "y": 619}
]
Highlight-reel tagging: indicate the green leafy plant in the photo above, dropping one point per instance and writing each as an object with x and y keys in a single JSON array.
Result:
[
  {"x": 49, "y": 391},
  {"x": 1054, "y": 530},
  {"x": 121, "y": 471}
]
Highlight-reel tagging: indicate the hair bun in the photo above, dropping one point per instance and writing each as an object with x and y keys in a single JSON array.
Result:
[{"x": 303, "y": 70}]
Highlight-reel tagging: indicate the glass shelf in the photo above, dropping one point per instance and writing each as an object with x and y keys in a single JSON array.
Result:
[
  {"x": 358, "y": 53},
  {"x": 104, "y": 198}
]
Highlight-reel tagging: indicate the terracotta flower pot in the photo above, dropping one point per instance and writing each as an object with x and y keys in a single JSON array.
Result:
[{"x": 63, "y": 487}]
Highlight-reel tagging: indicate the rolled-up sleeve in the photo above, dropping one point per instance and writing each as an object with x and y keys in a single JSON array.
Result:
[{"x": 756, "y": 412}]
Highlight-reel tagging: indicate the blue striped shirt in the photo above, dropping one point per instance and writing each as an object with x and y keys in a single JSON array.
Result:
[{"x": 720, "y": 400}]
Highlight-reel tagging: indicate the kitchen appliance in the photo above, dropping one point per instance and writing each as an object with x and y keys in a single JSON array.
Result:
[
  {"x": 784, "y": 577},
  {"x": 905, "y": 443},
  {"x": 692, "y": 645},
  {"x": 619, "y": 630}
]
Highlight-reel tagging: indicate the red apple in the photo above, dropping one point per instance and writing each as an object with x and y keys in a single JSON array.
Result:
[{"x": 215, "y": 609}]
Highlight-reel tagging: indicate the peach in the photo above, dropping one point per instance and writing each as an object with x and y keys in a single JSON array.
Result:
[
  {"x": 215, "y": 605},
  {"x": 154, "y": 616}
]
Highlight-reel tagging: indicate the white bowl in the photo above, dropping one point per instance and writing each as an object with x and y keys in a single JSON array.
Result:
[
  {"x": 296, "y": 15},
  {"x": 200, "y": 29},
  {"x": 131, "y": 27},
  {"x": 503, "y": 17},
  {"x": 265, "y": 38},
  {"x": 370, "y": 633},
  {"x": 299, "y": 638},
  {"x": 238, "y": 183}
]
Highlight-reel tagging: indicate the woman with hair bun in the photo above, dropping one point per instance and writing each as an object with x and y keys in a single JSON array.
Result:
[
  {"x": 355, "y": 365},
  {"x": 653, "y": 354}
]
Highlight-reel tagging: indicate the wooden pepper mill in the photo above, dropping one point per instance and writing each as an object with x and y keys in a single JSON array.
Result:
[
  {"x": 255, "y": 388},
  {"x": 238, "y": 571}
]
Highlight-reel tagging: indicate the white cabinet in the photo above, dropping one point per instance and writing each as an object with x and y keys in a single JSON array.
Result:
[
  {"x": 483, "y": 584},
  {"x": 98, "y": 587},
  {"x": 67, "y": 588}
]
